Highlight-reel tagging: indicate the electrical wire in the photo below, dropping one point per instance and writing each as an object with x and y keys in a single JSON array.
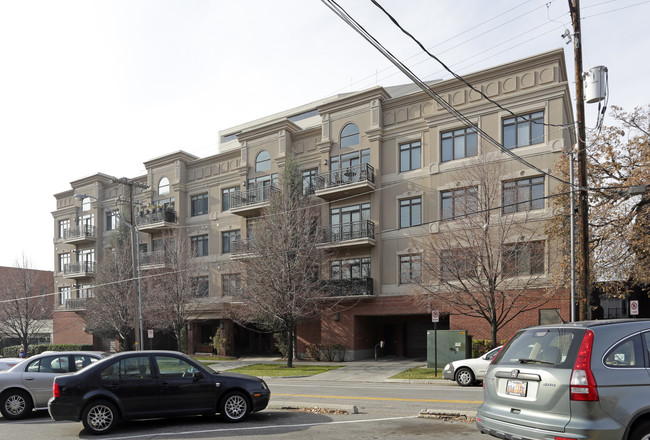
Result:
[
  {"x": 454, "y": 74},
  {"x": 338, "y": 10}
]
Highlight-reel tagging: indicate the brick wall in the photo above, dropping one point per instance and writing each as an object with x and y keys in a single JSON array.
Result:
[{"x": 70, "y": 329}]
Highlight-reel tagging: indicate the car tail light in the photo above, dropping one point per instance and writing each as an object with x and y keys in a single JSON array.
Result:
[
  {"x": 583, "y": 384},
  {"x": 56, "y": 392}
]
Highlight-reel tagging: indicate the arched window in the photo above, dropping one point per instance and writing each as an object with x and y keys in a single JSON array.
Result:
[
  {"x": 349, "y": 136},
  {"x": 263, "y": 161},
  {"x": 163, "y": 186}
]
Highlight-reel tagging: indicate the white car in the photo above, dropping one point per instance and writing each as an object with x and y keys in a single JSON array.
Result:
[
  {"x": 469, "y": 371},
  {"x": 7, "y": 363}
]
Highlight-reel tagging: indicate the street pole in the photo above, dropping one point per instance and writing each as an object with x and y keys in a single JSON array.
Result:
[
  {"x": 135, "y": 240},
  {"x": 583, "y": 202}
]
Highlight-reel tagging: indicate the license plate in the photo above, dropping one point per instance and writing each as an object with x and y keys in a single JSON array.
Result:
[{"x": 516, "y": 388}]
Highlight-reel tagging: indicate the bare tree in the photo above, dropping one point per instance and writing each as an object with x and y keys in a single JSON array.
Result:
[
  {"x": 280, "y": 283},
  {"x": 110, "y": 312},
  {"x": 488, "y": 258},
  {"x": 25, "y": 303},
  {"x": 172, "y": 294},
  {"x": 618, "y": 170}
]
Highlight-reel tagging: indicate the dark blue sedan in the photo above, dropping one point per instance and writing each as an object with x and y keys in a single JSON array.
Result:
[{"x": 153, "y": 384}]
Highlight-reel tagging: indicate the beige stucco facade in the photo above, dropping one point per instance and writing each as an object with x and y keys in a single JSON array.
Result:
[{"x": 387, "y": 119}]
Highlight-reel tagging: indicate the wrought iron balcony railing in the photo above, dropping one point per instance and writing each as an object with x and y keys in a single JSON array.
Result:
[
  {"x": 79, "y": 232},
  {"x": 355, "y": 174},
  {"x": 350, "y": 287},
  {"x": 348, "y": 231},
  {"x": 155, "y": 258},
  {"x": 75, "y": 303},
  {"x": 243, "y": 246},
  {"x": 254, "y": 195},
  {"x": 84, "y": 268},
  {"x": 156, "y": 216}
]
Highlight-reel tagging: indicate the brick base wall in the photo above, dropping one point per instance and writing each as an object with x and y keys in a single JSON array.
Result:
[
  {"x": 70, "y": 329},
  {"x": 359, "y": 327}
]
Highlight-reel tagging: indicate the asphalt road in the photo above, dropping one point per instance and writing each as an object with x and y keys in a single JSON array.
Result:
[{"x": 384, "y": 410}]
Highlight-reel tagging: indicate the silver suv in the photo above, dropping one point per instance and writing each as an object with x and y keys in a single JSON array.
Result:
[{"x": 581, "y": 380}]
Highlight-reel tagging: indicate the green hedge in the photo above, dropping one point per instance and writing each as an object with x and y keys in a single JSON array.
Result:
[{"x": 12, "y": 351}]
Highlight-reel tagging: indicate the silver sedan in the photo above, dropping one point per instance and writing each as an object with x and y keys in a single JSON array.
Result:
[{"x": 28, "y": 385}]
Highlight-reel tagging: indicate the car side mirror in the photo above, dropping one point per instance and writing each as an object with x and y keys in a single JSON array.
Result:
[{"x": 197, "y": 376}]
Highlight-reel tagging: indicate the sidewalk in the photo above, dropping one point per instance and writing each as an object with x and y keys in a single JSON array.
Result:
[{"x": 367, "y": 370}]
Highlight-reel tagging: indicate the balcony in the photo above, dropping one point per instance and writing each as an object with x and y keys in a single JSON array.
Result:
[
  {"x": 251, "y": 202},
  {"x": 75, "y": 304},
  {"x": 345, "y": 182},
  {"x": 80, "y": 269},
  {"x": 361, "y": 233},
  {"x": 350, "y": 287},
  {"x": 158, "y": 219},
  {"x": 80, "y": 234},
  {"x": 241, "y": 248},
  {"x": 152, "y": 260}
]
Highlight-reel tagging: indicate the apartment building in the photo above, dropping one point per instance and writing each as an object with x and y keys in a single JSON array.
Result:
[{"x": 381, "y": 164}]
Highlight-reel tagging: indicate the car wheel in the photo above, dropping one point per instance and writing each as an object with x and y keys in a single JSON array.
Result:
[
  {"x": 99, "y": 417},
  {"x": 234, "y": 407},
  {"x": 16, "y": 404},
  {"x": 465, "y": 377},
  {"x": 641, "y": 432}
]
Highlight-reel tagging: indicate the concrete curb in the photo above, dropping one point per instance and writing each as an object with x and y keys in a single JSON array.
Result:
[
  {"x": 350, "y": 409},
  {"x": 448, "y": 414}
]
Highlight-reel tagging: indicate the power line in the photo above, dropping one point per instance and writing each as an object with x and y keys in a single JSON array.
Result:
[{"x": 338, "y": 10}]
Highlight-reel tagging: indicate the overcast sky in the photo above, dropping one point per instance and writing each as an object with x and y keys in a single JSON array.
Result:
[{"x": 90, "y": 86}]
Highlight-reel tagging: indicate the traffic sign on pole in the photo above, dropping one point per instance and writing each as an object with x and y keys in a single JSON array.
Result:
[
  {"x": 435, "y": 316},
  {"x": 634, "y": 307}
]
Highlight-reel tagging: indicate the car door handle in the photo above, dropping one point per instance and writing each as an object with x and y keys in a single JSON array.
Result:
[{"x": 29, "y": 378}]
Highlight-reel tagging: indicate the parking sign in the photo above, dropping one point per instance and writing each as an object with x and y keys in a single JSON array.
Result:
[
  {"x": 634, "y": 307},
  {"x": 435, "y": 316}
]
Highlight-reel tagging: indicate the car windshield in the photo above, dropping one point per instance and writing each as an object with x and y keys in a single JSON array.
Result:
[{"x": 542, "y": 346}]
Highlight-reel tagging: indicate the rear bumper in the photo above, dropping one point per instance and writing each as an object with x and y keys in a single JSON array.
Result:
[
  {"x": 60, "y": 409},
  {"x": 592, "y": 430}
]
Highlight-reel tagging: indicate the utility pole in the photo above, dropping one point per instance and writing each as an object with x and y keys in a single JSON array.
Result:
[
  {"x": 583, "y": 202},
  {"x": 135, "y": 244}
]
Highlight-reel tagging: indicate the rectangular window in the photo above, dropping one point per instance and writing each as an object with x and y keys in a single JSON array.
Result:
[
  {"x": 227, "y": 239},
  {"x": 64, "y": 225},
  {"x": 457, "y": 264},
  {"x": 230, "y": 284},
  {"x": 353, "y": 268},
  {"x": 410, "y": 269},
  {"x": 225, "y": 197},
  {"x": 458, "y": 203},
  {"x": 199, "y": 245},
  {"x": 199, "y": 205},
  {"x": 64, "y": 260},
  {"x": 410, "y": 156},
  {"x": 201, "y": 286},
  {"x": 458, "y": 144},
  {"x": 85, "y": 291},
  {"x": 410, "y": 212},
  {"x": 523, "y": 259},
  {"x": 64, "y": 295},
  {"x": 112, "y": 220},
  {"x": 523, "y": 195},
  {"x": 523, "y": 130},
  {"x": 309, "y": 181}
]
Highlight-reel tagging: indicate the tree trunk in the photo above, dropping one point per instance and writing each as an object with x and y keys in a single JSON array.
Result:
[{"x": 290, "y": 333}]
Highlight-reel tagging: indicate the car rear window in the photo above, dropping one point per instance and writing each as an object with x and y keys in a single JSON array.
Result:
[{"x": 555, "y": 347}]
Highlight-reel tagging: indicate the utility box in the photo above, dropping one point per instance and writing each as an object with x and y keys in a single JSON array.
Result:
[{"x": 453, "y": 345}]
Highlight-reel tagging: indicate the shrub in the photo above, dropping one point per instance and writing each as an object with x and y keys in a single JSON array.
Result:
[{"x": 313, "y": 351}]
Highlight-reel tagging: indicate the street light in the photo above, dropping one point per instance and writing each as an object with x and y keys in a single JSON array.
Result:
[{"x": 137, "y": 290}]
